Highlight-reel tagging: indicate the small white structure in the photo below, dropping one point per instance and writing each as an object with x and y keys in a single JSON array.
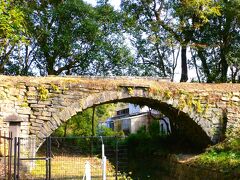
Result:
[
  {"x": 104, "y": 162},
  {"x": 87, "y": 174}
]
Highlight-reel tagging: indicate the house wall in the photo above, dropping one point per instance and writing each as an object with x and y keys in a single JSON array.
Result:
[{"x": 139, "y": 121}]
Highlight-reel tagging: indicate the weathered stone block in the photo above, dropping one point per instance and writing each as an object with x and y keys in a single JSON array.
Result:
[
  {"x": 35, "y": 126},
  {"x": 57, "y": 119},
  {"x": 39, "y": 121},
  {"x": 46, "y": 113},
  {"x": 44, "y": 102},
  {"x": 37, "y": 105},
  {"x": 50, "y": 109},
  {"x": 64, "y": 115},
  {"x": 235, "y": 98},
  {"x": 37, "y": 113},
  {"x": 32, "y": 101},
  {"x": 46, "y": 118},
  {"x": 24, "y": 111}
]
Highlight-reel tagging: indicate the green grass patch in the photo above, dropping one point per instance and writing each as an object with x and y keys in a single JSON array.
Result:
[{"x": 224, "y": 156}]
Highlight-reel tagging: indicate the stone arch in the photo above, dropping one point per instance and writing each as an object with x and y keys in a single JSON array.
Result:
[
  {"x": 138, "y": 96},
  {"x": 41, "y": 104}
]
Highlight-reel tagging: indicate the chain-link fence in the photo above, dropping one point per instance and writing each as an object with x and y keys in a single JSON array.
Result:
[{"x": 72, "y": 158}]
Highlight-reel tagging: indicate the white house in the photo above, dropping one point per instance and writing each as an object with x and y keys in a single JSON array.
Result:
[{"x": 130, "y": 117}]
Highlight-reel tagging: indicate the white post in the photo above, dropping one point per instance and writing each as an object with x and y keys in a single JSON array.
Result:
[
  {"x": 104, "y": 160},
  {"x": 87, "y": 170},
  {"x": 104, "y": 167}
]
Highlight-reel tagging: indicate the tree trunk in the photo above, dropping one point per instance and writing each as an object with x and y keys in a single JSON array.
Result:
[
  {"x": 2, "y": 68},
  {"x": 204, "y": 65},
  {"x": 162, "y": 66},
  {"x": 196, "y": 67},
  {"x": 224, "y": 66},
  {"x": 184, "y": 74},
  {"x": 50, "y": 66},
  {"x": 93, "y": 113}
]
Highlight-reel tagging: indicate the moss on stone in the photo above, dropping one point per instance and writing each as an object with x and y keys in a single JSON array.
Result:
[
  {"x": 167, "y": 94},
  {"x": 43, "y": 93},
  {"x": 182, "y": 103},
  {"x": 55, "y": 88},
  {"x": 130, "y": 90}
]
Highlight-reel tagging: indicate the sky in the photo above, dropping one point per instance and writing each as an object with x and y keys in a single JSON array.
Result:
[{"x": 114, "y": 3}]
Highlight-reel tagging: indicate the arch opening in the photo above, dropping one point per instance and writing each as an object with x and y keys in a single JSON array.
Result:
[{"x": 182, "y": 124}]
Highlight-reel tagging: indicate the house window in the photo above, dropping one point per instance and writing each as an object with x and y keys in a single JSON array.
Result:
[{"x": 123, "y": 111}]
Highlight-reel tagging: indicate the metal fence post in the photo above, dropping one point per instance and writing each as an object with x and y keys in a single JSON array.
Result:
[
  {"x": 15, "y": 159},
  {"x": 49, "y": 156},
  {"x": 18, "y": 159},
  {"x": 10, "y": 157},
  {"x": 116, "y": 153},
  {"x": 5, "y": 155},
  {"x": 47, "y": 175}
]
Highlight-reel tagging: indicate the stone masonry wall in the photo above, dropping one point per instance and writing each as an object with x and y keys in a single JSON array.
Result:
[{"x": 42, "y": 104}]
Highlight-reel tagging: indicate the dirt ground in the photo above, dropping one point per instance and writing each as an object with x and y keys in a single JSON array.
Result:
[{"x": 1, "y": 169}]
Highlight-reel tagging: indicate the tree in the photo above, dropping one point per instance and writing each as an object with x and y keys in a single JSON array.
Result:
[
  {"x": 217, "y": 43},
  {"x": 178, "y": 18},
  {"x": 72, "y": 37},
  {"x": 12, "y": 28},
  {"x": 149, "y": 40},
  {"x": 80, "y": 124}
]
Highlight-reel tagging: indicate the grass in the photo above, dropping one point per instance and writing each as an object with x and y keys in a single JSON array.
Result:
[
  {"x": 71, "y": 167},
  {"x": 223, "y": 157}
]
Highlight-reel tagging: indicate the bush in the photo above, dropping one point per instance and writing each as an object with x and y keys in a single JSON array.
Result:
[{"x": 105, "y": 131}]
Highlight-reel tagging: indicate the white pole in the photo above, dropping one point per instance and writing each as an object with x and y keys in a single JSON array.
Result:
[
  {"x": 104, "y": 167},
  {"x": 103, "y": 152},
  {"x": 87, "y": 170},
  {"x": 104, "y": 160}
]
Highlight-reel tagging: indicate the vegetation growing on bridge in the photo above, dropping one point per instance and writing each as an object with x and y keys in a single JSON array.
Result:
[{"x": 224, "y": 156}]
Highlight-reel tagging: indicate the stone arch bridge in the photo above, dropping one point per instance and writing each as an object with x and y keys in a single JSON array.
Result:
[{"x": 39, "y": 105}]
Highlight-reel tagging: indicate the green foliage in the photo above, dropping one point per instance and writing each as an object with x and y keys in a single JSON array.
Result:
[
  {"x": 43, "y": 93},
  {"x": 75, "y": 38},
  {"x": 200, "y": 9},
  {"x": 12, "y": 20},
  {"x": 154, "y": 129},
  {"x": 12, "y": 31},
  {"x": 105, "y": 131},
  {"x": 224, "y": 156},
  {"x": 72, "y": 37},
  {"x": 146, "y": 141},
  {"x": 81, "y": 124}
]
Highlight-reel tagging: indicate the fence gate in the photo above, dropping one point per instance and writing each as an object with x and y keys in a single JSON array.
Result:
[
  {"x": 26, "y": 161},
  {"x": 5, "y": 155}
]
